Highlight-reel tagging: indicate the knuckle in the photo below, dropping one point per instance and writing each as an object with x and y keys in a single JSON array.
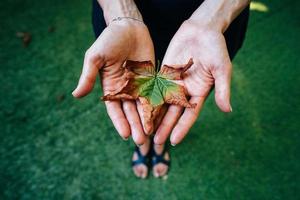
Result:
[
  {"x": 166, "y": 123},
  {"x": 175, "y": 109},
  {"x": 112, "y": 115},
  {"x": 90, "y": 79},
  {"x": 108, "y": 104},
  {"x": 90, "y": 57},
  {"x": 139, "y": 140},
  {"x": 180, "y": 124},
  {"x": 193, "y": 113},
  {"x": 88, "y": 54},
  {"x": 128, "y": 107},
  {"x": 133, "y": 122}
]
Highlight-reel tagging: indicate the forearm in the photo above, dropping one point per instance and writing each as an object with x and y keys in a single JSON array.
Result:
[
  {"x": 218, "y": 14},
  {"x": 119, "y": 8}
]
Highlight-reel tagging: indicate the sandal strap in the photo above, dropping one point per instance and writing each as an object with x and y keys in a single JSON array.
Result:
[
  {"x": 141, "y": 159},
  {"x": 156, "y": 159}
]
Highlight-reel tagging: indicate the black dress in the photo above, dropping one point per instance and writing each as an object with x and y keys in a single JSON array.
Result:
[{"x": 164, "y": 17}]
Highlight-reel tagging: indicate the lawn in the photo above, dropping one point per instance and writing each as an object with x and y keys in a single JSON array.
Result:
[{"x": 53, "y": 146}]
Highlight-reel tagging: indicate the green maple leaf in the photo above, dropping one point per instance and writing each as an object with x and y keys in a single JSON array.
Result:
[{"x": 152, "y": 88}]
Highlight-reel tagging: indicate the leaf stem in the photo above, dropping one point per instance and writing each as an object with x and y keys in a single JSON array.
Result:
[{"x": 157, "y": 67}]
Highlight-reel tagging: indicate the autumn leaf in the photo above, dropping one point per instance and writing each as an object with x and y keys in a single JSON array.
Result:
[
  {"x": 153, "y": 89},
  {"x": 25, "y": 36}
]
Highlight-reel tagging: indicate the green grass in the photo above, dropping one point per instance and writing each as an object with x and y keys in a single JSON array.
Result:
[{"x": 55, "y": 147}]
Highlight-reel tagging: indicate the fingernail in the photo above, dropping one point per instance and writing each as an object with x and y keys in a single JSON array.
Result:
[
  {"x": 230, "y": 108},
  {"x": 173, "y": 144},
  {"x": 155, "y": 139},
  {"x": 125, "y": 138},
  {"x": 74, "y": 92},
  {"x": 139, "y": 145},
  {"x": 158, "y": 144}
]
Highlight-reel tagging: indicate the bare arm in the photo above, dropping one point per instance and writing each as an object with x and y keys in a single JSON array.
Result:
[
  {"x": 121, "y": 40},
  {"x": 120, "y": 8},
  {"x": 201, "y": 37},
  {"x": 219, "y": 14}
]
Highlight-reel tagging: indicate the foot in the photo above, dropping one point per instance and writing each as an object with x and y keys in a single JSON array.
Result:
[
  {"x": 161, "y": 169},
  {"x": 141, "y": 170}
]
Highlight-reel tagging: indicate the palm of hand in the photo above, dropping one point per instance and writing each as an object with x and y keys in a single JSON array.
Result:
[
  {"x": 211, "y": 67},
  {"x": 209, "y": 52},
  {"x": 117, "y": 43}
]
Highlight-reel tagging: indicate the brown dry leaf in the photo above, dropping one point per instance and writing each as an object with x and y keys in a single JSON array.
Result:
[
  {"x": 51, "y": 29},
  {"x": 153, "y": 89},
  {"x": 25, "y": 36}
]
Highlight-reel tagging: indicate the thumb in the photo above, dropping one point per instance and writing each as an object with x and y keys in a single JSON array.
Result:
[
  {"x": 222, "y": 78},
  {"x": 92, "y": 64}
]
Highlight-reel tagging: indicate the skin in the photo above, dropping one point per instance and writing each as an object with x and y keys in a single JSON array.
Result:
[
  {"x": 212, "y": 67},
  {"x": 200, "y": 37},
  {"x": 131, "y": 41}
]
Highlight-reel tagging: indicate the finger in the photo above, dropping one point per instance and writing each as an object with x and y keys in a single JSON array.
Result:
[
  {"x": 91, "y": 65},
  {"x": 147, "y": 126},
  {"x": 186, "y": 121},
  {"x": 118, "y": 118},
  {"x": 167, "y": 124},
  {"x": 222, "y": 88},
  {"x": 131, "y": 113}
]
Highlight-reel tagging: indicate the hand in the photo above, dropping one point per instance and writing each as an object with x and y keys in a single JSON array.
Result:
[
  {"x": 121, "y": 40},
  {"x": 212, "y": 67}
]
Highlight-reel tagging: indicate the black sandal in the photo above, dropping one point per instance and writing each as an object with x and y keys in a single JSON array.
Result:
[
  {"x": 156, "y": 159},
  {"x": 141, "y": 159}
]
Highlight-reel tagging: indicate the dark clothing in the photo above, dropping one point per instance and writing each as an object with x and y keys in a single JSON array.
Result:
[{"x": 164, "y": 17}]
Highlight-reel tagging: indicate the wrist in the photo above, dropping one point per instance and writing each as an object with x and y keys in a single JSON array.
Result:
[
  {"x": 217, "y": 15},
  {"x": 119, "y": 8},
  {"x": 206, "y": 24},
  {"x": 208, "y": 17}
]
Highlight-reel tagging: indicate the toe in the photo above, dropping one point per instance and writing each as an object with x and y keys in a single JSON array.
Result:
[
  {"x": 144, "y": 171},
  {"x": 136, "y": 172},
  {"x": 155, "y": 172},
  {"x": 144, "y": 174},
  {"x": 160, "y": 170},
  {"x": 164, "y": 171},
  {"x": 140, "y": 171}
]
